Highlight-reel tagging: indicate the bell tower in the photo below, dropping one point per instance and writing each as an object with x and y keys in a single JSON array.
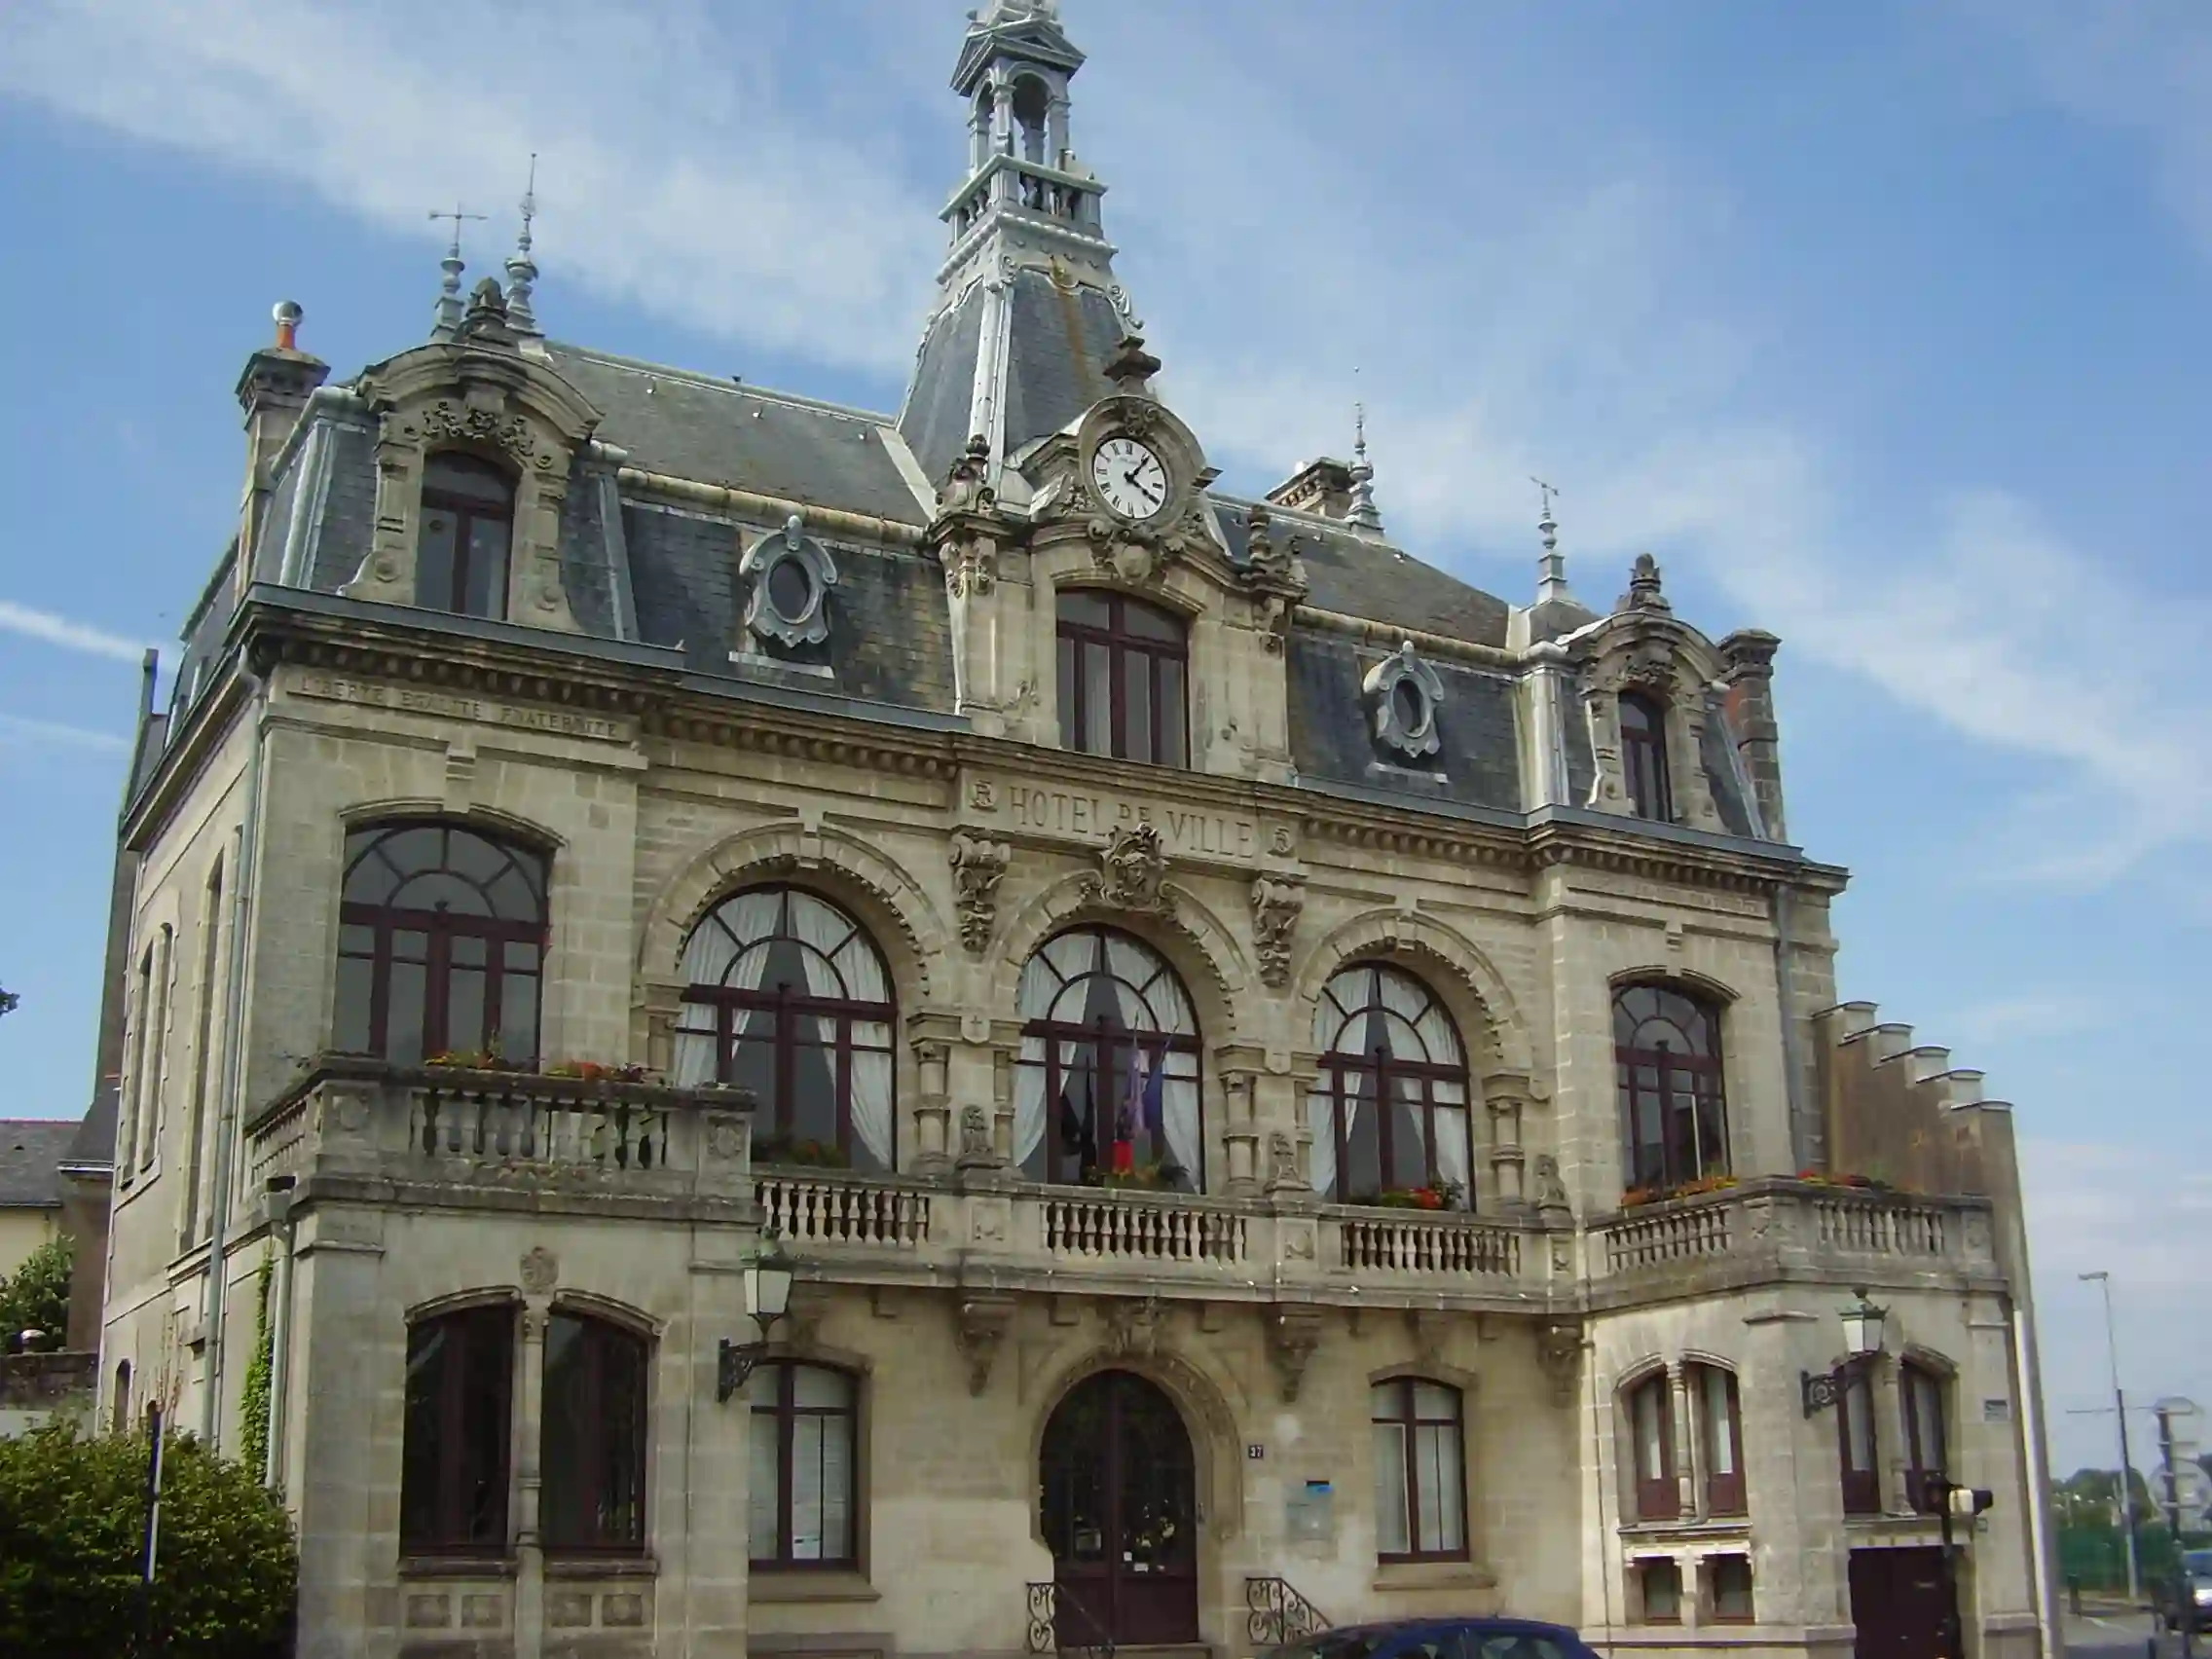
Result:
[{"x": 1027, "y": 309}]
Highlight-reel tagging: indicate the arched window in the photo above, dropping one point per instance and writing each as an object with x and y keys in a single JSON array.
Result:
[
  {"x": 468, "y": 514},
  {"x": 1032, "y": 102},
  {"x": 1390, "y": 1112},
  {"x": 441, "y": 942},
  {"x": 1720, "y": 1437},
  {"x": 1122, "y": 675},
  {"x": 788, "y": 995},
  {"x": 593, "y": 1447},
  {"x": 452, "y": 1480},
  {"x": 1643, "y": 757},
  {"x": 805, "y": 1467},
  {"x": 119, "y": 1408},
  {"x": 1108, "y": 1083},
  {"x": 1420, "y": 1481},
  {"x": 1923, "y": 1391},
  {"x": 1651, "y": 1442},
  {"x": 1667, "y": 1051}
]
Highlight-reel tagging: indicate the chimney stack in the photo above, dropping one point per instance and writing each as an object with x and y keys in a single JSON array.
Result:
[
  {"x": 1323, "y": 487},
  {"x": 272, "y": 390}
]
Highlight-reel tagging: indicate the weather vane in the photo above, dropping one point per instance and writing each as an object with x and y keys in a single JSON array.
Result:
[
  {"x": 1549, "y": 491},
  {"x": 457, "y": 216}
]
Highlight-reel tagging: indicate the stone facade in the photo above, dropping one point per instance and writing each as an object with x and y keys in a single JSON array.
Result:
[{"x": 661, "y": 753}]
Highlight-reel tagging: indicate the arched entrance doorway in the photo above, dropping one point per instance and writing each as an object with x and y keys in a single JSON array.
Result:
[{"x": 1120, "y": 1496}]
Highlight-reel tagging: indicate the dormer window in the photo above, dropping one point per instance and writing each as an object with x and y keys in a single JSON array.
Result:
[
  {"x": 468, "y": 514},
  {"x": 1643, "y": 757},
  {"x": 1122, "y": 677}
]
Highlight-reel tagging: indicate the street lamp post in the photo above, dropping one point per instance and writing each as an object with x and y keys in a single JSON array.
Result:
[
  {"x": 767, "y": 1294},
  {"x": 2127, "y": 1466}
]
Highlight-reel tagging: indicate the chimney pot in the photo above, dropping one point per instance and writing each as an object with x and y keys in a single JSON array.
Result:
[{"x": 287, "y": 314}]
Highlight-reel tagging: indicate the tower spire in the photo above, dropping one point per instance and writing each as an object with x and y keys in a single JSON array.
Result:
[
  {"x": 447, "y": 317},
  {"x": 1362, "y": 512},
  {"x": 1551, "y": 569},
  {"x": 522, "y": 269}
]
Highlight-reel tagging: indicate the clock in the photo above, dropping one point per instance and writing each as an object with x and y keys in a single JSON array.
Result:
[{"x": 1129, "y": 477}]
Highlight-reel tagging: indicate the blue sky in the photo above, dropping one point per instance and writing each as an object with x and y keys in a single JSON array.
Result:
[{"x": 1885, "y": 327}]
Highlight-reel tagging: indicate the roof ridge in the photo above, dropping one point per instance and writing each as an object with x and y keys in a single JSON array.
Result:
[{"x": 715, "y": 383}]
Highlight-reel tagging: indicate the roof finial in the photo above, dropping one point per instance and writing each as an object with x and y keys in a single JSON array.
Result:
[
  {"x": 522, "y": 270},
  {"x": 448, "y": 315},
  {"x": 1362, "y": 511},
  {"x": 1551, "y": 569}
]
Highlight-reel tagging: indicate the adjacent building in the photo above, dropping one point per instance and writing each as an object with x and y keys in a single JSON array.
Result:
[{"x": 1293, "y": 1088}]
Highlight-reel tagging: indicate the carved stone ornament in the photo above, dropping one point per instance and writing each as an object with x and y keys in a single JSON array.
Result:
[
  {"x": 1132, "y": 867},
  {"x": 1134, "y": 1326},
  {"x": 1644, "y": 587},
  {"x": 791, "y": 575},
  {"x": 1559, "y": 1349},
  {"x": 1551, "y": 1191},
  {"x": 1136, "y": 554},
  {"x": 1275, "y": 906},
  {"x": 540, "y": 1269},
  {"x": 1294, "y": 1331},
  {"x": 1273, "y": 574},
  {"x": 447, "y": 422},
  {"x": 726, "y": 1138},
  {"x": 976, "y": 1138},
  {"x": 966, "y": 488},
  {"x": 978, "y": 865},
  {"x": 1405, "y": 692},
  {"x": 981, "y": 1327},
  {"x": 1282, "y": 1160}
]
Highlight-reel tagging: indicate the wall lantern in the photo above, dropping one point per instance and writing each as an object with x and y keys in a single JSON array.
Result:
[
  {"x": 767, "y": 1295},
  {"x": 1861, "y": 1341}
]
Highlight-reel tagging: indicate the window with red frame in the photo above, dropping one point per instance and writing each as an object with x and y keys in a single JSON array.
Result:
[
  {"x": 453, "y": 1481},
  {"x": 1643, "y": 757},
  {"x": 1720, "y": 1437},
  {"x": 1421, "y": 1486},
  {"x": 592, "y": 1447},
  {"x": 1858, "y": 1447},
  {"x": 1925, "y": 1442},
  {"x": 1652, "y": 1438},
  {"x": 1122, "y": 667}
]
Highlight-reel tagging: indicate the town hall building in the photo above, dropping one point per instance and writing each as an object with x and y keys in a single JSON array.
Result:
[{"x": 1282, "y": 1088}]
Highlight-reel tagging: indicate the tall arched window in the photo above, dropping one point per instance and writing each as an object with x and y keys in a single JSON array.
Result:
[
  {"x": 1667, "y": 1052},
  {"x": 468, "y": 514},
  {"x": 441, "y": 942},
  {"x": 1390, "y": 1112},
  {"x": 1032, "y": 102},
  {"x": 788, "y": 995},
  {"x": 592, "y": 1453},
  {"x": 1122, "y": 675},
  {"x": 1716, "y": 1399},
  {"x": 1652, "y": 1445},
  {"x": 1108, "y": 1082},
  {"x": 453, "y": 1471},
  {"x": 1643, "y": 757}
]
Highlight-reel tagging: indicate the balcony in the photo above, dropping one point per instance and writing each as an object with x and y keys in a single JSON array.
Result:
[
  {"x": 453, "y": 1134},
  {"x": 1770, "y": 1229},
  {"x": 895, "y": 1231}
]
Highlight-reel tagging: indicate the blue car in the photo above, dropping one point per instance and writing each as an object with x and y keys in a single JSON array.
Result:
[{"x": 1441, "y": 1638}]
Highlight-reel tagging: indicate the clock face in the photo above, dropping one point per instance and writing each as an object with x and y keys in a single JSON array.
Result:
[{"x": 1130, "y": 478}]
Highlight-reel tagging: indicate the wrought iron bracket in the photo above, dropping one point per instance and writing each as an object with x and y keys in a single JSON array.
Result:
[
  {"x": 1823, "y": 1388},
  {"x": 734, "y": 1364}
]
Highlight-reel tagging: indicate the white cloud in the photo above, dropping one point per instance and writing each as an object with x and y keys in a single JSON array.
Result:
[
  {"x": 2041, "y": 1016},
  {"x": 58, "y": 629},
  {"x": 18, "y": 728},
  {"x": 1524, "y": 289}
]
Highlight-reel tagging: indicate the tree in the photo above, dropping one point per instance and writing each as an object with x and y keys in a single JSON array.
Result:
[
  {"x": 35, "y": 1297},
  {"x": 72, "y": 1523}
]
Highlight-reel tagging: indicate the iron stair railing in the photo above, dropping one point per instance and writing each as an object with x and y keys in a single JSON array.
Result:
[
  {"x": 1275, "y": 1613},
  {"x": 1057, "y": 1616}
]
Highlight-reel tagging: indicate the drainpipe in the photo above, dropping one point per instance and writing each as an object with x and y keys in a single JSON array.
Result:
[
  {"x": 234, "y": 1063},
  {"x": 279, "y": 1327}
]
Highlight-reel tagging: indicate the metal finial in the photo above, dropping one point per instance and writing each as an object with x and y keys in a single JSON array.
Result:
[
  {"x": 1551, "y": 569},
  {"x": 447, "y": 317},
  {"x": 1362, "y": 511},
  {"x": 522, "y": 269}
]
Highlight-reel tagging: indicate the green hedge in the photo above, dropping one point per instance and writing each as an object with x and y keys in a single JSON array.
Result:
[{"x": 72, "y": 1526}]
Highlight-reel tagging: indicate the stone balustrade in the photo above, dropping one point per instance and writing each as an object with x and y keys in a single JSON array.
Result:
[
  {"x": 1772, "y": 1228},
  {"x": 448, "y": 1131}
]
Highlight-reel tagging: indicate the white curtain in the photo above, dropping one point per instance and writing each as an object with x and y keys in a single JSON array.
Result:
[
  {"x": 1179, "y": 1117},
  {"x": 720, "y": 953},
  {"x": 822, "y": 931},
  {"x": 1029, "y": 1113},
  {"x": 871, "y": 1089},
  {"x": 1320, "y": 1121},
  {"x": 1452, "y": 1160}
]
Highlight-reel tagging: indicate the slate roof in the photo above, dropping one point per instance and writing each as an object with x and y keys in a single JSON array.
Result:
[{"x": 31, "y": 1150}]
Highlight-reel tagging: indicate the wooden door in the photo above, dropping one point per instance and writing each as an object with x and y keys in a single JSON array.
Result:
[
  {"x": 1902, "y": 1603},
  {"x": 1120, "y": 1513}
]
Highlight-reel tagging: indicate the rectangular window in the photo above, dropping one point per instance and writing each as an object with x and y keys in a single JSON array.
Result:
[
  {"x": 203, "y": 1059},
  {"x": 1421, "y": 1483},
  {"x": 805, "y": 1488},
  {"x": 1122, "y": 677},
  {"x": 1661, "y": 1583},
  {"x": 593, "y": 1446},
  {"x": 1730, "y": 1577},
  {"x": 1929, "y": 1467},
  {"x": 1858, "y": 1447}
]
